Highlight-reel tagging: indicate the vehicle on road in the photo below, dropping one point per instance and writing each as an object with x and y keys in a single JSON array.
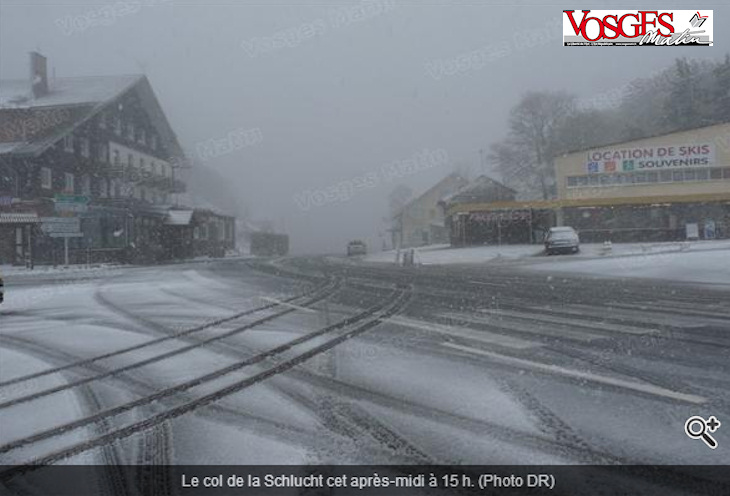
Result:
[
  {"x": 562, "y": 239},
  {"x": 356, "y": 247},
  {"x": 2, "y": 289}
]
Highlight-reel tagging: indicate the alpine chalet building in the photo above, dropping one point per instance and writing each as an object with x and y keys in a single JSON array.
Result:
[{"x": 90, "y": 171}]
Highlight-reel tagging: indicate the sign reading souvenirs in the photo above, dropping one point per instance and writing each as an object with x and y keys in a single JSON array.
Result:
[{"x": 645, "y": 158}]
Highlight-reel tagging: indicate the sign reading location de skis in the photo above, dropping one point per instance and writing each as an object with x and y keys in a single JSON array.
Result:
[{"x": 637, "y": 28}]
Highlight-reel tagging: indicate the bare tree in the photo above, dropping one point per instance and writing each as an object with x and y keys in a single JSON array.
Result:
[{"x": 528, "y": 151}]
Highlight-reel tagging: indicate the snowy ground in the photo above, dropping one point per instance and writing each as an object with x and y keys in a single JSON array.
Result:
[
  {"x": 706, "y": 267},
  {"x": 487, "y": 363},
  {"x": 444, "y": 254},
  {"x": 81, "y": 319},
  {"x": 697, "y": 261}
]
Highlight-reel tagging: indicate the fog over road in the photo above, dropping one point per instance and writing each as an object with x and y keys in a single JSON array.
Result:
[{"x": 321, "y": 360}]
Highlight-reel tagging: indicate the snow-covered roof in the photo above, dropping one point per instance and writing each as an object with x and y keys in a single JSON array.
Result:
[
  {"x": 84, "y": 97},
  {"x": 179, "y": 217},
  {"x": 203, "y": 204},
  {"x": 246, "y": 225},
  {"x": 481, "y": 189},
  {"x": 9, "y": 147},
  {"x": 15, "y": 93}
]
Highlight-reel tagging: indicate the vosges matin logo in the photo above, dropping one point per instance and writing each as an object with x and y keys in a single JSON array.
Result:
[{"x": 637, "y": 28}]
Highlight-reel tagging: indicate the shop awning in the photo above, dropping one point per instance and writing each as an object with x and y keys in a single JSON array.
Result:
[
  {"x": 587, "y": 202},
  {"x": 19, "y": 218},
  {"x": 179, "y": 217}
]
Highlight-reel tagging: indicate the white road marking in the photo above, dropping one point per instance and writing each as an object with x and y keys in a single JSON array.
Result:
[
  {"x": 689, "y": 309},
  {"x": 603, "y": 326},
  {"x": 285, "y": 304},
  {"x": 537, "y": 328},
  {"x": 640, "y": 314},
  {"x": 589, "y": 376},
  {"x": 481, "y": 336}
]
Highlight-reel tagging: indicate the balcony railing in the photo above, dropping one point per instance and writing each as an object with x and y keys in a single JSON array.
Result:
[{"x": 134, "y": 175}]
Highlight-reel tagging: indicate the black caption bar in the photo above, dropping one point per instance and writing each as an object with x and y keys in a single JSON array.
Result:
[{"x": 364, "y": 480}]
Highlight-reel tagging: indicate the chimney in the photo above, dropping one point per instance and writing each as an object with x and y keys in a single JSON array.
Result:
[{"x": 38, "y": 75}]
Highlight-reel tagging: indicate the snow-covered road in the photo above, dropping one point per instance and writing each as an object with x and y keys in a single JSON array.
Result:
[{"x": 310, "y": 361}]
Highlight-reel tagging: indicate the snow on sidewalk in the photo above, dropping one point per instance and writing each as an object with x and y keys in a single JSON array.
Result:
[
  {"x": 444, "y": 254},
  {"x": 67, "y": 272},
  {"x": 701, "y": 266}
]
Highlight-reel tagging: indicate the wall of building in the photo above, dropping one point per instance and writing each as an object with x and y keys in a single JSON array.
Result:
[
  {"x": 213, "y": 234},
  {"x": 422, "y": 221}
]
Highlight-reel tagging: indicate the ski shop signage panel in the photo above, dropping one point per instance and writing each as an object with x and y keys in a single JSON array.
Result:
[{"x": 645, "y": 158}]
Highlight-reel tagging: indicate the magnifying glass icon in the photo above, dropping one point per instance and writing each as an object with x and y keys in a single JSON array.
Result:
[{"x": 696, "y": 428}]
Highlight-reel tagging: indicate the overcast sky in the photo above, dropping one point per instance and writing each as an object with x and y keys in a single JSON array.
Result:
[{"x": 347, "y": 93}]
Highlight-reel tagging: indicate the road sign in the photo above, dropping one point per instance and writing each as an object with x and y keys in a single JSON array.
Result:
[
  {"x": 70, "y": 207},
  {"x": 62, "y": 227},
  {"x": 71, "y": 203},
  {"x": 54, "y": 226}
]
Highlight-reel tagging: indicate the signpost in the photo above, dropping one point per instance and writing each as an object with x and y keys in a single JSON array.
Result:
[
  {"x": 62, "y": 227},
  {"x": 71, "y": 203}
]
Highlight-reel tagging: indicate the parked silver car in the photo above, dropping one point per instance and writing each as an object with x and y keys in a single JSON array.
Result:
[{"x": 562, "y": 239}]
